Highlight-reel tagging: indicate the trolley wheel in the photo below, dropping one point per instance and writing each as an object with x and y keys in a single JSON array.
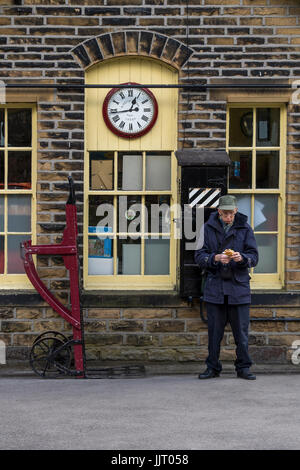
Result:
[
  {"x": 52, "y": 333},
  {"x": 48, "y": 357}
]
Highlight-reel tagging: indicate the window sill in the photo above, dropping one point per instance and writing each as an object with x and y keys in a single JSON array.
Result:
[{"x": 127, "y": 298}]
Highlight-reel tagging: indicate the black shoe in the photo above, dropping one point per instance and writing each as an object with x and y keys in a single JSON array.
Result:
[
  {"x": 245, "y": 374},
  {"x": 209, "y": 374}
]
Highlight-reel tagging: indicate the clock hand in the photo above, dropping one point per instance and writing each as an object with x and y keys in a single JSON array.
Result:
[
  {"x": 133, "y": 102},
  {"x": 113, "y": 111}
]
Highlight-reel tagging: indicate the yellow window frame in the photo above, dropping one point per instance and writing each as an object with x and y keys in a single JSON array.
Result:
[
  {"x": 141, "y": 281},
  {"x": 266, "y": 280},
  {"x": 20, "y": 281}
]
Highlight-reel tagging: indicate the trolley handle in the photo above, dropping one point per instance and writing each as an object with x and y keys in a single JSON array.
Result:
[{"x": 72, "y": 197}]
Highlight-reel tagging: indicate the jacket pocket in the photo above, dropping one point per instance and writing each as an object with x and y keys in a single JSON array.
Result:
[{"x": 241, "y": 276}]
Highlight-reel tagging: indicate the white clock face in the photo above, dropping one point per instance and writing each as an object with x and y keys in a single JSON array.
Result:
[{"x": 130, "y": 112}]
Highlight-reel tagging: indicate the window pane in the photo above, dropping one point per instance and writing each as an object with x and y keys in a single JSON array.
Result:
[
  {"x": 267, "y": 169},
  {"x": 19, "y": 213},
  {"x": 244, "y": 205},
  {"x": 241, "y": 127},
  {"x": 129, "y": 214},
  {"x": 157, "y": 256},
  {"x": 101, "y": 211},
  {"x": 1, "y": 127},
  {"x": 19, "y": 127},
  {"x": 240, "y": 170},
  {"x": 1, "y": 254},
  {"x": 2, "y": 170},
  {"x": 267, "y": 248},
  {"x": 100, "y": 259},
  {"x": 130, "y": 172},
  {"x": 158, "y": 172},
  {"x": 19, "y": 170},
  {"x": 129, "y": 256},
  {"x": 101, "y": 170},
  {"x": 14, "y": 261},
  {"x": 158, "y": 211},
  {"x": 267, "y": 127},
  {"x": 265, "y": 212}
]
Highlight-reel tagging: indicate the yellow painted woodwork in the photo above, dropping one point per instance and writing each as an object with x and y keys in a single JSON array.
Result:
[
  {"x": 265, "y": 280},
  {"x": 162, "y": 137},
  {"x": 20, "y": 281}
]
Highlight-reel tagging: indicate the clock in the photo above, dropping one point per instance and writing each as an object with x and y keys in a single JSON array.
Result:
[
  {"x": 130, "y": 112},
  {"x": 247, "y": 124}
]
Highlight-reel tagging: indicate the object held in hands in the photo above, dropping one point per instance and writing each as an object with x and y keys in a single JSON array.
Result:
[{"x": 228, "y": 252}]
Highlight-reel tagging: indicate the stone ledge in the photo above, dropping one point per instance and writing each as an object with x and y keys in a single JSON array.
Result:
[{"x": 144, "y": 299}]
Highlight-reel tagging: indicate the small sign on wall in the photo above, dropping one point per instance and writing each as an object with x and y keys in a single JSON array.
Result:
[{"x": 207, "y": 197}]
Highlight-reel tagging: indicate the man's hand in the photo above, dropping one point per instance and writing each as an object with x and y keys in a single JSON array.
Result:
[
  {"x": 237, "y": 257},
  {"x": 224, "y": 259}
]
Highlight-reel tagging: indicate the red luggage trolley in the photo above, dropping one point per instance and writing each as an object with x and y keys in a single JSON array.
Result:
[{"x": 51, "y": 353}]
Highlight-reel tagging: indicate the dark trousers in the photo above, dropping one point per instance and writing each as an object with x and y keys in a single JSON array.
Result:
[{"x": 238, "y": 317}]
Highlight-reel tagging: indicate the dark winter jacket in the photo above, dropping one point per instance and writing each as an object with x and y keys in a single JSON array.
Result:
[{"x": 239, "y": 238}]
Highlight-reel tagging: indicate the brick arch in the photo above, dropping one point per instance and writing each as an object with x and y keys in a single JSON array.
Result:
[{"x": 124, "y": 43}]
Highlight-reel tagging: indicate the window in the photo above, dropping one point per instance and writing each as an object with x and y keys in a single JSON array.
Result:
[
  {"x": 256, "y": 149},
  {"x": 130, "y": 196},
  {"x": 17, "y": 186},
  {"x": 130, "y": 186},
  {"x": 11, "y": 2}
]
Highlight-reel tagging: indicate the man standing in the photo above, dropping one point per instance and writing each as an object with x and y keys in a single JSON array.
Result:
[{"x": 228, "y": 251}]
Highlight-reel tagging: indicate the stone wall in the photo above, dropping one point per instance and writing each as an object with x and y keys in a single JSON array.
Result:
[
  {"x": 152, "y": 335},
  {"x": 209, "y": 41}
]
